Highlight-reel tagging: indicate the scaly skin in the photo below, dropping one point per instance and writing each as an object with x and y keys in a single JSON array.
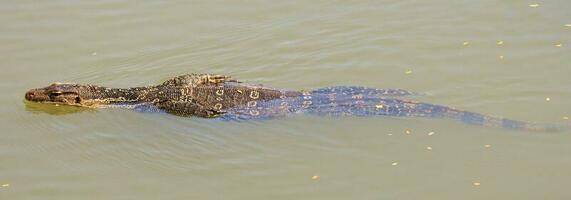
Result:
[
  {"x": 203, "y": 95},
  {"x": 208, "y": 95}
]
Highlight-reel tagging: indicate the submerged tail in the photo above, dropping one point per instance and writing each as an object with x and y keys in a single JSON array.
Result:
[
  {"x": 369, "y": 106},
  {"x": 490, "y": 121}
]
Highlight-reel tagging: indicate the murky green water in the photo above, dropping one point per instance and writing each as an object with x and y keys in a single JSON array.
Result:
[{"x": 49, "y": 152}]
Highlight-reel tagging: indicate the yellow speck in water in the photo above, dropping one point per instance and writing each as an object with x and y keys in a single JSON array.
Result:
[
  {"x": 408, "y": 72},
  {"x": 568, "y": 25},
  {"x": 535, "y": 5},
  {"x": 407, "y": 132},
  {"x": 487, "y": 146},
  {"x": 566, "y": 118},
  {"x": 429, "y": 148},
  {"x": 315, "y": 177},
  {"x": 466, "y": 43},
  {"x": 94, "y": 53},
  {"x": 476, "y": 184},
  {"x": 559, "y": 45},
  {"x": 379, "y": 106},
  {"x": 500, "y": 42},
  {"x": 395, "y": 164},
  {"x": 501, "y": 57},
  {"x": 431, "y": 133},
  {"x": 547, "y": 99},
  {"x": 57, "y": 104},
  {"x": 5, "y": 185}
]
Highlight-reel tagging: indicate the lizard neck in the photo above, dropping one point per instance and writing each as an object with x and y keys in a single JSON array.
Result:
[{"x": 108, "y": 95}]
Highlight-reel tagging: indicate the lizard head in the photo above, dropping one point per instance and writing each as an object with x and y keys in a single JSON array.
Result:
[{"x": 59, "y": 93}]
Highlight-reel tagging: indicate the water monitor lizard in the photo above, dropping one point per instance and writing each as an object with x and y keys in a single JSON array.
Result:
[{"x": 219, "y": 96}]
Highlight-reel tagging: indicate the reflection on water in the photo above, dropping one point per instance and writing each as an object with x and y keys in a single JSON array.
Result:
[
  {"x": 53, "y": 109},
  {"x": 502, "y": 58}
]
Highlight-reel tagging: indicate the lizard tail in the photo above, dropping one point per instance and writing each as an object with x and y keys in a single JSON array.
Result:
[
  {"x": 396, "y": 107},
  {"x": 490, "y": 121}
]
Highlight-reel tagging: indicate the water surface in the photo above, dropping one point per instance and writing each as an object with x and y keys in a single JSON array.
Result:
[{"x": 501, "y": 58}]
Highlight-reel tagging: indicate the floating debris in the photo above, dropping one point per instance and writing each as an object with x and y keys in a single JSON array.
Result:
[
  {"x": 476, "y": 184},
  {"x": 500, "y": 42},
  {"x": 407, "y": 132},
  {"x": 535, "y": 5},
  {"x": 395, "y": 164},
  {"x": 390, "y": 134},
  {"x": 379, "y": 106},
  {"x": 567, "y": 25},
  {"x": 566, "y": 118},
  {"x": 5, "y": 185},
  {"x": 547, "y": 99},
  {"x": 501, "y": 57},
  {"x": 466, "y": 43},
  {"x": 408, "y": 72},
  {"x": 315, "y": 177},
  {"x": 429, "y": 148},
  {"x": 487, "y": 146},
  {"x": 430, "y": 133},
  {"x": 559, "y": 45},
  {"x": 94, "y": 53}
]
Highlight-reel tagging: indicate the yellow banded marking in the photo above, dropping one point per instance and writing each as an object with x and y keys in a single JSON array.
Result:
[
  {"x": 254, "y": 94},
  {"x": 254, "y": 112},
  {"x": 218, "y": 106},
  {"x": 306, "y": 104},
  {"x": 252, "y": 103}
]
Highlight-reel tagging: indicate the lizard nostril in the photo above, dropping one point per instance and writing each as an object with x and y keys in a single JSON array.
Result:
[{"x": 29, "y": 95}]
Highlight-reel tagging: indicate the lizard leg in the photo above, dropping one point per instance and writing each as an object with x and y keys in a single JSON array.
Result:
[
  {"x": 188, "y": 109},
  {"x": 213, "y": 79}
]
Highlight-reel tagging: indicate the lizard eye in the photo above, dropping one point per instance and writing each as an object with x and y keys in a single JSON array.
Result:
[{"x": 56, "y": 93}]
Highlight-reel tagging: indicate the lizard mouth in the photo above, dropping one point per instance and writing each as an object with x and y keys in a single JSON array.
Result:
[{"x": 37, "y": 95}]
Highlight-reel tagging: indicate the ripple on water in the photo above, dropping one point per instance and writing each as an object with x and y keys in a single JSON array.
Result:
[{"x": 126, "y": 139}]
